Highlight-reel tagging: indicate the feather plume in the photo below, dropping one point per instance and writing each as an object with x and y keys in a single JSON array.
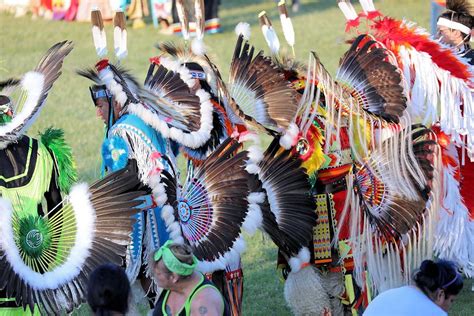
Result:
[
  {"x": 371, "y": 80},
  {"x": 183, "y": 18},
  {"x": 349, "y": 13},
  {"x": 120, "y": 35},
  {"x": 367, "y": 5},
  {"x": 200, "y": 18},
  {"x": 288, "y": 214},
  {"x": 211, "y": 206},
  {"x": 98, "y": 33},
  {"x": 347, "y": 9},
  {"x": 286, "y": 24},
  {"x": 389, "y": 209},
  {"x": 243, "y": 28},
  {"x": 269, "y": 33}
]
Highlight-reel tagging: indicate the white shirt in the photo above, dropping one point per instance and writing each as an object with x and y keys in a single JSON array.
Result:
[{"x": 403, "y": 301}]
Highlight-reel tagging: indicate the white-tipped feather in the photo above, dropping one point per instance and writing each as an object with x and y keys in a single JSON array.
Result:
[
  {"x": 120, "y": 43},
  {"x": 347, "y": 9},
  {"x": 182, "y": 15},
  {"x": 367, "y": 5},
  {"x": 286, "y": 24},
  {"x": 243, "y": 28},
  {"x": 271, "y": 38}
]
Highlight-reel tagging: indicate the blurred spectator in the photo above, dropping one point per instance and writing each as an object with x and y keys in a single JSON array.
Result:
[
  {"x": 212, "y": 24},
  {"x": 137, "y": 10},
  {"x": 86, "y": 6},
  {"x": 437, "y": 6},
  {"x": 108, "y": 291},
  {"x": 436, "y": 286}
]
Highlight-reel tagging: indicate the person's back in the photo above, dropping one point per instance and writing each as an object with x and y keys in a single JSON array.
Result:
[
  {"x": 436, "y": 285},
  {"x": 406, "y": 300}
]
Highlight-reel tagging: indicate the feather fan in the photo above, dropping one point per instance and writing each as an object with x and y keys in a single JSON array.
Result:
[
  {"x": 47, "y": 260},
  {"x": 211, "y": 206},
  {"x": 289, "y": 211},
  {"x": 391, "y": 212},
  {"x": 371, "y": 80},
  {"x": 260, "y": 89}
]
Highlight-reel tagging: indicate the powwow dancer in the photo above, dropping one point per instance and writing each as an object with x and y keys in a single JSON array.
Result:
[
  {"x": 438, "y": 84},
  {"x": 181, "y": 116},
  {"x": 284, "y": 187},
  {"x": 339, "y": 105},
  {"x": 51, "y": 242}
]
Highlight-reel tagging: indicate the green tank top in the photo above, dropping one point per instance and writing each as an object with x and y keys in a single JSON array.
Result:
[{"x": 160, "y": 309}]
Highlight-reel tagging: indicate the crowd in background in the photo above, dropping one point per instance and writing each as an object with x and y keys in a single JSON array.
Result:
[{"x": 161, "y": 12}]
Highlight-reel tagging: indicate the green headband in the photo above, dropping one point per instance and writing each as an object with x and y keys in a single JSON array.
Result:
[{"x": 172, "y": 263}]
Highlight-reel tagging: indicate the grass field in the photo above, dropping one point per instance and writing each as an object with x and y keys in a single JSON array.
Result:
[{"x": 319, "y": 26}]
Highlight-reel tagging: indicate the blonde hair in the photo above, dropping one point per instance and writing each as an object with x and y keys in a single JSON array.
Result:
[{"x": 182, "y": 252}]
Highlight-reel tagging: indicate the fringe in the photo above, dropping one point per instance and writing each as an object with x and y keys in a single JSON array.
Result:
[{"x": 455, "y": 231}]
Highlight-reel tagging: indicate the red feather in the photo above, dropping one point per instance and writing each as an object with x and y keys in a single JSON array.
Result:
[{"x": 394, "y": 33}]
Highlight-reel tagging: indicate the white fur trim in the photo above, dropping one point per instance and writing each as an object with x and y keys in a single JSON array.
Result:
[
  {"x": 194, "y": 139},
  {"x": 172, "y": 225},
  {"x": 254, "y": 218},
  {"x": 223, "y": 260},
  {"x": 107, "y": 77},
  {"x": 295, "y": 264},
  {"x": 297, "y": 261},
  {"x": 254, "y": 153},
  {"x": 304, "y": 255},
  {"x": 290, "y": 138},
  {"x": 243, "y": 28},
  {"x": 198, "y": 47},
  {"x": 33, "y": 84},
  {"x": 85, "y": 223}
]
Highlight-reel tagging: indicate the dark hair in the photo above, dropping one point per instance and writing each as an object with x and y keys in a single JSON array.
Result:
[
  {"x": 196, "y": 67},
  {"x": 108, "y": 290},
  {"x": 459, "y": 11},
  {"x": 438, "y": 275}
]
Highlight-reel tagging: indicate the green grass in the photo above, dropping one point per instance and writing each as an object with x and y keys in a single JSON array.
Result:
[{"x": 319, "y": 26}]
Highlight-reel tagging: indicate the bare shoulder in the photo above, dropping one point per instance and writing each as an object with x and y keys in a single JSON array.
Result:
[{"x": 208, "y": 302}]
